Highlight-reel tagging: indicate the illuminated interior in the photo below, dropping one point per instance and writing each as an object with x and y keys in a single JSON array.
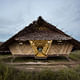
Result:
[{"x": 40, "y": 47}]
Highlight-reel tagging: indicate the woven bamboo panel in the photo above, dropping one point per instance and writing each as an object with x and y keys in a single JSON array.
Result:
[
  {"x": 43, "y": 43},
  {"x": 48, "y": 48},
  {"x": 60, "y": 49},
  {"x": 21, "y": 49}
]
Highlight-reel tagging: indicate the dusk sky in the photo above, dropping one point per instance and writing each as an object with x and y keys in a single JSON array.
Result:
[{"x": 16, "y": 14}]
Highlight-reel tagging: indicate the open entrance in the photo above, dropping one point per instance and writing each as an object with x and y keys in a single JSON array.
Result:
[{"x": 40, "y": 47}]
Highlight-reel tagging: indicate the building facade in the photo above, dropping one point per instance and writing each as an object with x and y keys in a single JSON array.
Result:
[{"x": 41, "y": 40}]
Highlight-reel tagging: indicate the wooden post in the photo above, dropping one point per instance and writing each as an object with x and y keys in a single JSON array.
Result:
[{"x": 13, "y": 58}]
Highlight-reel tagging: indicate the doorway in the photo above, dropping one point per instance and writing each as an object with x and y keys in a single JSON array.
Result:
[{"x": 40, "y": 47}]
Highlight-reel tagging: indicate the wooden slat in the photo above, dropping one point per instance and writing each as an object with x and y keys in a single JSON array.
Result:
[
  {"x": 17, "y": 49},
  {"x": 60, "y": 49}
]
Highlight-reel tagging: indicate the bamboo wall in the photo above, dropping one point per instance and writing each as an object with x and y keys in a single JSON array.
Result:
[
  {"x": 59, "y": 49},
  {"x": 45, "y": 44},
  {"x": 21, "y": 49},
  {"x": 26, "y": 49}
]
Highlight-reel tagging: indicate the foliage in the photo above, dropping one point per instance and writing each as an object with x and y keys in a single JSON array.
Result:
[
  {"x": 75, "y": 55},
  {"x": 9, "y": 73}
]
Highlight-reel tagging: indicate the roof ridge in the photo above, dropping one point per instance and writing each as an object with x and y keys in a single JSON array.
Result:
[{"x": 39, "y": 22}]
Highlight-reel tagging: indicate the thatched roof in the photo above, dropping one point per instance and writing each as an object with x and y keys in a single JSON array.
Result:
[
  {"x": 7, "y": 51},
  {"x": 40, "y": 30},
  {"x": 1, "y": 43}
]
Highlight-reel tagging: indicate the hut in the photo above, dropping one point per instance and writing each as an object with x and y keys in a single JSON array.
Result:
[
  {"x": 4, "y": 52},
  {"x": 40, "y": 40},
  {"x": 1, "y": 43}
]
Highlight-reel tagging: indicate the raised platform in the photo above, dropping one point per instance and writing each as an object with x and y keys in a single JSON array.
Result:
[{"x": 43, "y": 65}]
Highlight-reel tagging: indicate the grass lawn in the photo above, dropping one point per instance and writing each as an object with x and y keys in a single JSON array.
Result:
[
  {"x": 75, "y": 55},
  {"x": 8, "y": 72}
]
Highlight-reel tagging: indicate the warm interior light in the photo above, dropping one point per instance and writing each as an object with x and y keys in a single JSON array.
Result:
[
  {"x": 20, "y": 43},
  {"x": 39, "y": 48},
  {"x": 59, "y": 41}
]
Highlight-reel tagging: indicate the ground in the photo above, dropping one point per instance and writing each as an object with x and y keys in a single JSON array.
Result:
[
  {"x": 31, "y": 64},
  {"x": 57, "y": 68}
]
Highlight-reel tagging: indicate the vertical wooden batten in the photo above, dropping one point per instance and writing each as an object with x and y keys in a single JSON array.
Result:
[{"x": 21, "y": 49}]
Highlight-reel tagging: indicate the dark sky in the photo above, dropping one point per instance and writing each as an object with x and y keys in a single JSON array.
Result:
[{"x": 16, "y": 14}]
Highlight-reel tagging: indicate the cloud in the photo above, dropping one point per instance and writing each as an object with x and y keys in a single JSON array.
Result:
[{"x": 16, "y": 14}]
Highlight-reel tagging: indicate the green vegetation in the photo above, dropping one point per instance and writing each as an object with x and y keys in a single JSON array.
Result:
[
  {"x": 9, "y": 58},
  {"x": 5, "y": 58},
  {"x": 75, "y": 55},
  {"x": 9, "y": 73}
]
